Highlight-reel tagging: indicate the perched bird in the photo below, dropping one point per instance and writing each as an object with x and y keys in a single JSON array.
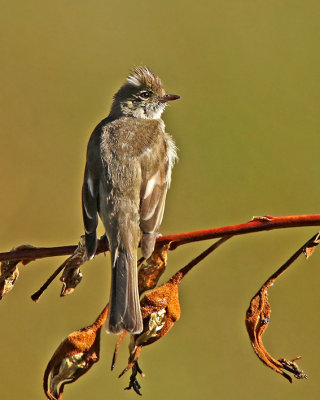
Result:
[{"x": 127, "y": 174}]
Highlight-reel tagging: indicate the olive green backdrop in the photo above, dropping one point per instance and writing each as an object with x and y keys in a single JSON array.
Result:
[{"x": 247, "y": 127}]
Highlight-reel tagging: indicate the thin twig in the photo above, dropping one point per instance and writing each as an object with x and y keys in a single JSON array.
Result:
[
  {"x": 36, "y": 295},
  {"x": 310, "y": 243},
  {"x": 183, "y": 271}
]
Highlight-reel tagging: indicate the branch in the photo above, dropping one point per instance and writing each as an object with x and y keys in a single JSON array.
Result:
[{"x": 257, "y": 224}]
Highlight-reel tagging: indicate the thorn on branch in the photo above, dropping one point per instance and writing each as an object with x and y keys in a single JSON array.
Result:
[{"x": 264, "y": 218}]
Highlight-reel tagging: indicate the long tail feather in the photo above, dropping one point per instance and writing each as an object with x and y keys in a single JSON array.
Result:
[{"x": 124, "y": 312}]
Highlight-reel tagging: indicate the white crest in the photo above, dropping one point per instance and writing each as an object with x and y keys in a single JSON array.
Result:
[
  {"x": 142, "y": 75},
  {"x": 134, "y": 81}
]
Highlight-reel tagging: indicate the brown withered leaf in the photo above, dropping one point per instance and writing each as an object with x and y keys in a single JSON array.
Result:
[
  {"x": 9, "y": 271},
  {"x": 151, "y": 269},
  {"x": 70, "y": 279},
  {"x": 72, "y": 276},
  {"x": 310, "y": 248},
  {"x": 73, "y": 358},
  {"x": 160, "y": 310},
  {"x": 258, "y": 319}
]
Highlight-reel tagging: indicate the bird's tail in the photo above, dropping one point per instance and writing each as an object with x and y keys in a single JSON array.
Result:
[{"x": 124, "y": 305}]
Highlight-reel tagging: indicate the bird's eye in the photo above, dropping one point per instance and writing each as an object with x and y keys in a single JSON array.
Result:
[{"x": 145, "y": 95}]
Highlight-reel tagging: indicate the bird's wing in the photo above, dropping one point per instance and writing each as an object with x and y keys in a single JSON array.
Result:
[
  {"x": 90, "y": 198},
  {"x": 153, "y": 196}
]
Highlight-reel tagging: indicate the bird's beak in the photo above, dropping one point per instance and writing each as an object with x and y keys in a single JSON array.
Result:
[{"x": 169, "y": 97}]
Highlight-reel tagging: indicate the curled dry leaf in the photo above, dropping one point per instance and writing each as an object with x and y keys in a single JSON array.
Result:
[
  {"x": 72, "y": 276},
  {"x": 151, "y": 269},
  {"x": 73, "y": 358},
  {"x": 160, "y": 310},
  {"x": 310, "y": 247},
  {"x": 258, "y": 319},
  {"x": 9, "y": 271}
]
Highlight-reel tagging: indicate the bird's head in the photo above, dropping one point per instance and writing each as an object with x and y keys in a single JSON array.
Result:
[{"x": 141, "y": 96}]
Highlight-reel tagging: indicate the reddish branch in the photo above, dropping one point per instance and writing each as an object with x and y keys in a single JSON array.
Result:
[{"x": 258, "y": 224}]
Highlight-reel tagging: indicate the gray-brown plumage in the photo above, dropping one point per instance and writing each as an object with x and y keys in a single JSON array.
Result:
[{"x": 127, "y": 174}]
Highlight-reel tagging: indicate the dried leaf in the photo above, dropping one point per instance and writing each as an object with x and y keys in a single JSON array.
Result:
[
  {"x": 72, "y": 276},
  {"x": 151, "y": 269},
  {"x": 258, "y": 319},
  {"x": 73, "y": 358},
  {"x": 9, "y": 271},
  {"x": 70, "y": 279},
  {"x": 310, "y": 247},
  {"x": 8, "y": 277},
  {"x": 160, "y": 309}
]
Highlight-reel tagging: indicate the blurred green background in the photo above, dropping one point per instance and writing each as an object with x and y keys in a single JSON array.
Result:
[{"x": 247, "y": 127}]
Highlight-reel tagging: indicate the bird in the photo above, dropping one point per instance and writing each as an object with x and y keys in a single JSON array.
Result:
[{"x": 126, "y": 178}]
